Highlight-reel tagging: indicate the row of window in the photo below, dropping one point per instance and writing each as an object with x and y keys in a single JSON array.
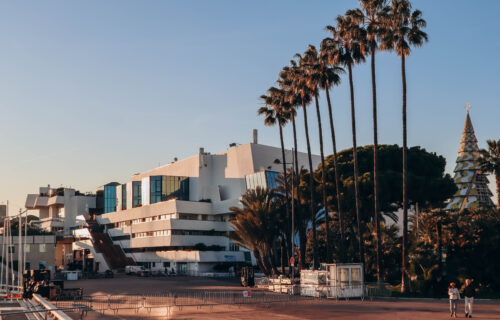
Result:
[
  {"x": 180, "y": 216},
  {"x": 263, "y": 179},
  {"x": 161, "y": 188},
  {"x": 42, "y": 247},
  {"x": 163, "y": 233},
  {"x": 159, "y": 233}
]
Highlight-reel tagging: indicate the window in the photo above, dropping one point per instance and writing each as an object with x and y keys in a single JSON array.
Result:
[
  {"x": 175, "y": 187},
  {"x": 109, "y": 199},
  {"x": 271, "y": 177},
  {"x": 344, "y": 277},
  {"x": 234, "y": 247},
  {"x": 155, "y": 189},
  {"x": 12, "y": 249},
  {"x": 356, "y": 276},
  {"x": 136, "y": 194},
  {"x": 42, "y": 247},
  {"x": 166, "y": 264},
  {"x": 124, "y": 196},
  {"x": 27, "y": 247},
  {"x": 187, "y": 216}
]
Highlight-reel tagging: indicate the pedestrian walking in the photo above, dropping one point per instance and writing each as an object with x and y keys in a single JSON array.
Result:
[
  {"x": 468, "y": 297},
  {"x": 454, "y": 297}
]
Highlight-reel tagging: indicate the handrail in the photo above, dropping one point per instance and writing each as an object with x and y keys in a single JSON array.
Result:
[
  {"x": 43, "y": 310},
  {"x": 49, "y": 307}
]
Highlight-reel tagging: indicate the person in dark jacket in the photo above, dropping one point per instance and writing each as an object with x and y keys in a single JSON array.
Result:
[{"x": 469, "y": 292}]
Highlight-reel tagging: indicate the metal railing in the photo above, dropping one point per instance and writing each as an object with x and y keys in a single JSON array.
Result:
[
  {"x": 48, "y": 313},
  {"x": 192, "y": 298}
]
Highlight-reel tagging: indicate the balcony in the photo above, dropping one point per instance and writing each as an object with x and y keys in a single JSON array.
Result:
[{"x": 56, "y": 200}]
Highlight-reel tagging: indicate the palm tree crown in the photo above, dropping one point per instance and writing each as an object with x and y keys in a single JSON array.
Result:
[
  {"x": 404, "y": 29},
  {"x": 490, "y": 162}
]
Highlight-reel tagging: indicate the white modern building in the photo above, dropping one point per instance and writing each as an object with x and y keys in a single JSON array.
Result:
[
  {"x": 177, "y": 215},
  {"x": 58, "y": 208}
]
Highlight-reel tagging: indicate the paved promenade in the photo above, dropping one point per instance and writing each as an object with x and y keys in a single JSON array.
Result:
[{"x": 382, "y": 309}]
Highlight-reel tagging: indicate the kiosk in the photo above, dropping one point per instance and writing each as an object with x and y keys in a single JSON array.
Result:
[{"x": 345, "y": 280}]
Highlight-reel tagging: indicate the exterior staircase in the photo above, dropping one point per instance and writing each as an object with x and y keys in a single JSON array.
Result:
[{"x": 113, "y": 254}]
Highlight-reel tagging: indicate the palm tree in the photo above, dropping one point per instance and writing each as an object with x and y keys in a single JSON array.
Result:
[
  {"x": 276, "y": 110},
  {"x": 373, "y": 15},
  {"x": 490, "y": 162},
  {"x": 301, "y": 89},
  {"x": 256, "y": 226},
  {"x": 313, "y": 70},
  {"x": 349, "y": 47},
  {"x": 329, "y": 77},
  {"x": 404, "y": 29},
  {"x": 285, "y": 82}
]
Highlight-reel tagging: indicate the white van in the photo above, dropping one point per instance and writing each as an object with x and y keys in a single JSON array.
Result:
[{"x": 134, "y": 270}]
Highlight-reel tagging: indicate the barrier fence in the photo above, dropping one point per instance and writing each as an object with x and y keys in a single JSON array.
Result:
[
  {"x": 192, "y": 298},
  {"x": 210, "y": 298}
]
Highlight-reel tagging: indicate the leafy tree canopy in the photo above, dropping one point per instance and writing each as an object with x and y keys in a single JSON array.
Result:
[{"x": 427, "y": 183}]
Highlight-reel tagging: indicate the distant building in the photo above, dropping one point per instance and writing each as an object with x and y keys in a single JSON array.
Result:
[
  {"x": 177, "y": 215},
  {"x": 39, "y": 251},
  {"x": 3, "y": 210},
  {"x": 59, "y": 207},
  {"x": 473, "y": 191}
]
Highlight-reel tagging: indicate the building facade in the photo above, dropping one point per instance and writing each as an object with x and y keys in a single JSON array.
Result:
[
  {"x": 58, "y": 208},
  {"x": 177, "y": 215}
]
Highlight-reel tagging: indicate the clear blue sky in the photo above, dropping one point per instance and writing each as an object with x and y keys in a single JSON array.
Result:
[{"x": 94, "y": 91}]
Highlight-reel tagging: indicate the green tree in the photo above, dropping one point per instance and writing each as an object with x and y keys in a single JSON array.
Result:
[
  {"x": 276, "y": 110},
  {"x": 285, "y": 81},
  {"x": 372, "y": 16},
  {"x": 490, "y": 163},
  {"x": 314, "y": 68},
  {"x": 256, "y": 226},
  {"x": 301, "y": 89},
  {"x": 349, "y": 48},
  {"x": 330, "y": 76},
  {"x": 404, "y": 29},
  {"x": 429, "y": 186},
  {"x": 462, "y": 244}
]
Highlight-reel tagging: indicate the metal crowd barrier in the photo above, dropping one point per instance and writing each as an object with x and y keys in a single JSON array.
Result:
[{"x": 192, "y": 298}]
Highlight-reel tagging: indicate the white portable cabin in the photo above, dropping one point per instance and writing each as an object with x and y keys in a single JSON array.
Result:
[{"x": 345, "y": 280}]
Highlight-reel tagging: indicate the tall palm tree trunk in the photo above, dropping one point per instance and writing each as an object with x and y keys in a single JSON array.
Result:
[
  {"x": 337, "y": 184},
  {"x": 323, "y": 180},
  {"x": 303, "y": 239},
  {"x": 355, "y": 160},
  {"x": 298, "y": 208},
  {"x": 260, "y": 263},
  {"x": 311, "y": 190},
  {"x": 375, "y": 167},
  {"x": 283, "y": 255},
  {"x": 288, "y": 243},
  {"x": 405, "y": 209},
  {"x": 497, "y": 177}
]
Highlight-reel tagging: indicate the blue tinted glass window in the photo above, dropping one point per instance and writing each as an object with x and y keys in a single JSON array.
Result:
[
  {"x": 155, "y": 189},
  {"x": 136, "y": 194},
  {"x": 271, "y": 177},
  {"x": 124, "y": 196},
  {"x": 109, "y": 199}
]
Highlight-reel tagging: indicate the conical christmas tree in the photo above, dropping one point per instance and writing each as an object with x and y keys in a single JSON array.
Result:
[{"x": 473, "y": 191}]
